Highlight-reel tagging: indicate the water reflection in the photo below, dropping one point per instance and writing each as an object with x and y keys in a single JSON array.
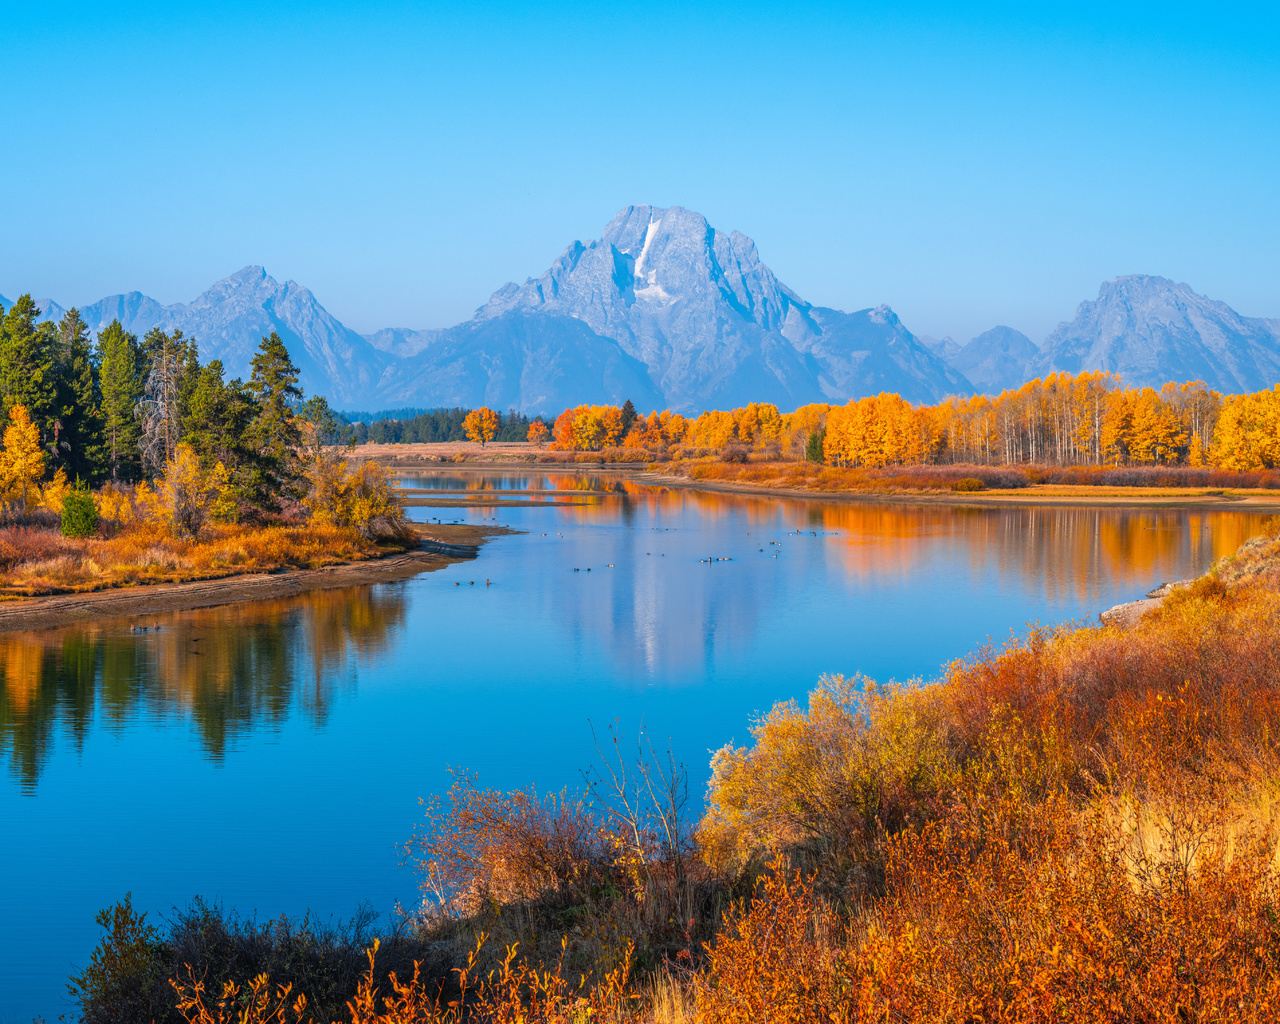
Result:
[
  {"x": 669, "y": 585},
  {"x": 1063, "y": 551},
  {"x": 228, "y": 670}
]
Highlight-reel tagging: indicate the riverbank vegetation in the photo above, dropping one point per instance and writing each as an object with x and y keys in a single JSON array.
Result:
[
  {"x": 1090, "y": 420},
  {"x": 1080, "y": 826},
  {"x": 128, "y": 462}
]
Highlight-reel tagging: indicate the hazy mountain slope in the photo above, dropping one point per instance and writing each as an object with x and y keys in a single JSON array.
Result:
[
  {"x": 402, "y": 342},
  {"x": 870, "y": 351},
  {"x": 136, "y": 312},
  {"x": 1151, "y": 330},
  {"x": 944, "y": 348},
  {"x": 996, "y": 359},
  {"x": 232, "y": 316},
  {"x": 533, "y": 362}
]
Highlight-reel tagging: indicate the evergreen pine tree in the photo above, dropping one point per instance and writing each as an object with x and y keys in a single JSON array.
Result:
[
  {"x": 121, "y": 390},
  {"x": 274, "y": 435},
  {"x": 27, "y": 364},
  {"x": 628, "y": 417},
  {"x": 218, "y": 419},
  {"x": 78, "y": 447}
]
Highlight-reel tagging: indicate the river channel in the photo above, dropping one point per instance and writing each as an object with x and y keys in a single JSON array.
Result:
[{"x": 270, "y": 755}]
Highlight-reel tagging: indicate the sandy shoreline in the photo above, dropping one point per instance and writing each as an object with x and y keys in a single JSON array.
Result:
[{"x": 441, "y": 546}]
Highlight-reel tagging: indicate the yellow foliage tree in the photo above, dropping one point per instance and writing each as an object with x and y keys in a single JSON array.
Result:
[
  {"x": 187, "y": 496},
  {"x": 22, "y": 461},
  {"x": 113, "y": 504},
  {"x": 1248, "y": 433},
  {"x": 362, "y": 499},
  {"x": 1156, "y": 431},
  {"x": 882, "y": 430},
  {"x": 481, "y": 425},
  {"x": 53, "y": 492},
  {"x": 374, "y": 508}
]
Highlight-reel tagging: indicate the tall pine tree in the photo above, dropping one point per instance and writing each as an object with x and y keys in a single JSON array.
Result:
[
  {"x": 274, "y": 435},
  {"x": 28, "y": 375},
  {"x": 78, "y": 446},
  {"x": 121, "y": 390}
]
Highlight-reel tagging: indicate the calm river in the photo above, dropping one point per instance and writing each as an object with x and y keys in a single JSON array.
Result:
[{"x": 270, "y": 755}]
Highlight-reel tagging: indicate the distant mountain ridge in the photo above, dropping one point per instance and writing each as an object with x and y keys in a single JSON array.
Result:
[
  {"x": 996, "y": 359},
  {"x": 668, "y": 311},
  {"x": 1142, "y": 327}
]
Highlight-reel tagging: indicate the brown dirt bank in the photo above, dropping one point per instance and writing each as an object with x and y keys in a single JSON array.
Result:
[
  {"x": 1036, "y": 495},
  {"x": 441, "y": 545}
]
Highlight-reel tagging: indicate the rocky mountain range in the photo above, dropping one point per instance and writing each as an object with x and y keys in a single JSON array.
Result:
[
  {"x": 668, "y": 311},
  {"x": 1151, "y": 330}
]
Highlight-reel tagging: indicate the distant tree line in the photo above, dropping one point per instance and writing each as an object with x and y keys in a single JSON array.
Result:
[
  {"x": 426, "y": 426},
  {"x": 116, "y": 408}
]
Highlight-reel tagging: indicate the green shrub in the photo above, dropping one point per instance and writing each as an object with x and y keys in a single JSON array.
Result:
[
  {"x": 969, "y": 483},
  {"x": 127, "y": 974},
  {"x": 79, "y": 514}
]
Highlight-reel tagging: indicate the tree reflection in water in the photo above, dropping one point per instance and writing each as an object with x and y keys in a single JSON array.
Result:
[{"x": 228, "y": 670}]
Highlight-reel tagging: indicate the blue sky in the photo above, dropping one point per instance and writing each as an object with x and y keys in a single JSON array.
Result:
[{"x": 966, "y": 164}]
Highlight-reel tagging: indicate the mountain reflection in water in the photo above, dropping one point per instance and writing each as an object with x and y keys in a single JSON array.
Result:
[
  {"x": 239, "y": 668},
  {"x": 228, "y": 670}
]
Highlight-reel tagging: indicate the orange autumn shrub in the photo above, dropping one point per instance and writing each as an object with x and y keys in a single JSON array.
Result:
[
  {"x": 826, "y": 782},
  {"x": 44, "y": 562},
  {"x": 780, "y": 958},
  {"x": 1100, "y": 841},
  {"x": 480, "y": 847}
]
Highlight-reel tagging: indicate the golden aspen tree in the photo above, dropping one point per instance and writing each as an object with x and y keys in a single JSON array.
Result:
[
  {"x": 1156, "y": 434},
  {"x": 1117, "y": 429},
  {"x": 186, "y": 496},
  {"x": 22, "y": 461},
  {"x": 537, "y": 434},
  {"x": 481, "y": 425},
  {"x": 1248, "y": 433},
  {"x": 611, "y": 426}
]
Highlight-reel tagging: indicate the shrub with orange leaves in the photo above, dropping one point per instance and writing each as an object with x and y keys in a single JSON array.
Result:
[
  {"x": 1100, "y": 844},
  {"x": 479, "y": 847},
  {"x": 779, "y": 958}
]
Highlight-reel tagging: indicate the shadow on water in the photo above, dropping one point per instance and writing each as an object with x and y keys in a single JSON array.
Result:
[{"x": 229, "y": 670}]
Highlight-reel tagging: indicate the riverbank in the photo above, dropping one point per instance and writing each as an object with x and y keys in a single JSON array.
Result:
[
  {"x": 521, "y": 457},
  {"x": 438, "y": 546},
  {"x": 1051, "y": 495}
]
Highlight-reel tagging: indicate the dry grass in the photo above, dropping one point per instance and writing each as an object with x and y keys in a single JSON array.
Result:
[{"x": 41, "y": 561}]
